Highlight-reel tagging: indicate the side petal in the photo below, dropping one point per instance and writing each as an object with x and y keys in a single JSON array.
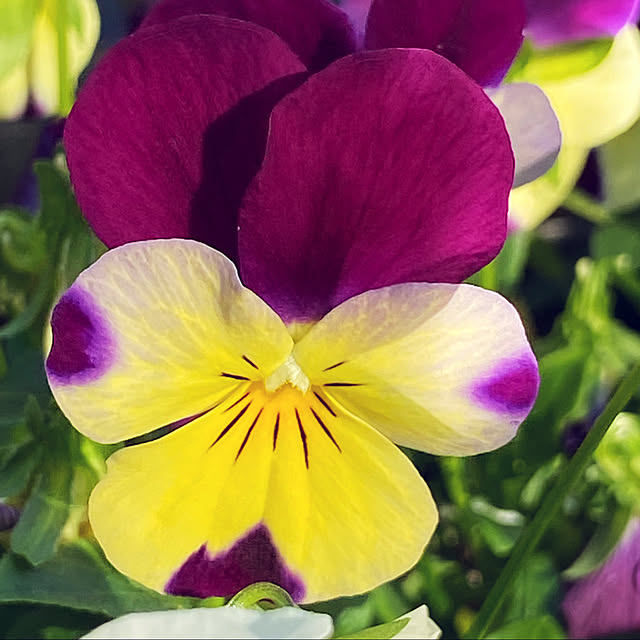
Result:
[
  {"x": 533, "y": 128},
  {"x": 153, "y": 333},
  {"x": 316, "y": 30},
  {"x": 441, "y": 368},
  {"x": 388, "y": 166},
  {"x": 551, "y": 22},
  {"x": 14, "y": 93},
  {"x": 482, "y": 37},
  {"x": 170, "y": 128},
  {"x": 530, "y": 204},
  {"x": 221, "y": 622},
  {"x": 262, "y": 491},
  {"x": 603, "y": 102},
  {"x": 81, "y": 37}
]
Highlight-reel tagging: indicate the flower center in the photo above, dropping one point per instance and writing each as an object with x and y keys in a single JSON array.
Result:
[{"x": 289, "y": 372}]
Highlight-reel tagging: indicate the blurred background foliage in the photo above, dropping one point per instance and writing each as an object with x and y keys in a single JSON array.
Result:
[{"x": 575, "y": 280}]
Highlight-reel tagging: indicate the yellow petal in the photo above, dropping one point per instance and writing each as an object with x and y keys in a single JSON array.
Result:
[
  {"x": 14, "y": 93},
  {"x": 277, "y": 486},
  {"x": 82, "y": 32},
  {"x": 441, "y": 368},
  {"x": 592, "y": 107},
  {"x": 602, "y": 103},
  {"x": 155, "y": 332},
  {"x": 532, "y": 203}
]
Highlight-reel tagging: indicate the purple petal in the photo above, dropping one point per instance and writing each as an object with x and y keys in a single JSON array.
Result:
[
  {"x": 387, "y": 167},
  {"x": 254, "y": 558},
  {"x": 606, "y": 603},
  {"x": 83, "y": 348},
  {"x": 511, "y": 388},
  {"x": 552, "y": 22},
  {"x": 316, "y": 30},
  {"x": 170, "y": 128},
  {"x": 482, "y": 37}
]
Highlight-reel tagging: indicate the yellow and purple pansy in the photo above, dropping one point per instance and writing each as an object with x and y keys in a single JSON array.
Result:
[
  {"x": 585, "y": 55},
  {"x": 285, "y": 297}
]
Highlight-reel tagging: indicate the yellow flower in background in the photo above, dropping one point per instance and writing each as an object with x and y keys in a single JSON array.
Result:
[
  {"x": 597, "y": 102},
  {"x": 34, "y": 36}
]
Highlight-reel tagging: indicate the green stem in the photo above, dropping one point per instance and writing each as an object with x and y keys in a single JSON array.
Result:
[
  {"x": 585, "y": 206},
  {"x": 488, "y": 276},
  {"x": 566, "y": 482},
  {"x": 453, "y": 474},
  {"x": 64, "y": 86},
  {"x": 265, "y": 592}
]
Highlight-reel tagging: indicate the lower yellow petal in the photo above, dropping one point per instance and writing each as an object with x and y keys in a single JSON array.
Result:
[{"x": 269, "y": 486}]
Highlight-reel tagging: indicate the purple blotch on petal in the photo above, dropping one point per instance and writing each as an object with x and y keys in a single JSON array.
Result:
[
  {"x": 511, "y": 387},
  {"x": 253, "y": 558},
  {"x": 83, "y": 346}
]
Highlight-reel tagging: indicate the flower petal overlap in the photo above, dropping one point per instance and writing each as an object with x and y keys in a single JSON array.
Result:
[
  {"x": 170, "y": 128},
  {"x": 482, "y": 37},
  {"x": 317, "y": 31},
  {"x": 353, "y": 180}
]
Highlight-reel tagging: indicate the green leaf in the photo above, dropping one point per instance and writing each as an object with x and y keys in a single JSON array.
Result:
[
  {"x": 21, "y": 245},
  {"x": 618, "y": 457},
  {"x": 381, "y": 631},
  {"x": 37, "y": 533},
  {"x": 17, "y": 470},
  {"x": 536, "y": 589},
  {"x": 602, "y": 543},
  {"x": 26, "y": 369},
  {"x": 615, "y": 240},
  {"x": 80, "y": 578},
  {"x": 618, "y": 162},
  {"x": 499, "y": 528},
  {"x": 540, "y": 628}
]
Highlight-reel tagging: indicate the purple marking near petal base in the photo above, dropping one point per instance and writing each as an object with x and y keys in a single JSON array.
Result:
[
  {"x": 253, "y": 558},
  {"x": 511, "y": 387},
  {"x": 83, "y": 346}
]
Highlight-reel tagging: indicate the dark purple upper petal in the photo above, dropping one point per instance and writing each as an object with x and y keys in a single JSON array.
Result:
[
  {"x": 607, "y": 602},
  {"x": 552, "y": 22},
  {"x": 171, "y": 126},
  {"x": 482, "y": 37},
  {"x": 316, "y": 30},
  {"x": 387, "y": 167}
]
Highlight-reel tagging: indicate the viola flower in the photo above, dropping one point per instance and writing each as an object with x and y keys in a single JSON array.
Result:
[
  {"x": 593, "y": 87},
  {"x": 291, "y": 383},
  {"x": 481, "y": 37},
  {"x": 29, "y": 49},
  {"x": 605, "y": 603}
]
